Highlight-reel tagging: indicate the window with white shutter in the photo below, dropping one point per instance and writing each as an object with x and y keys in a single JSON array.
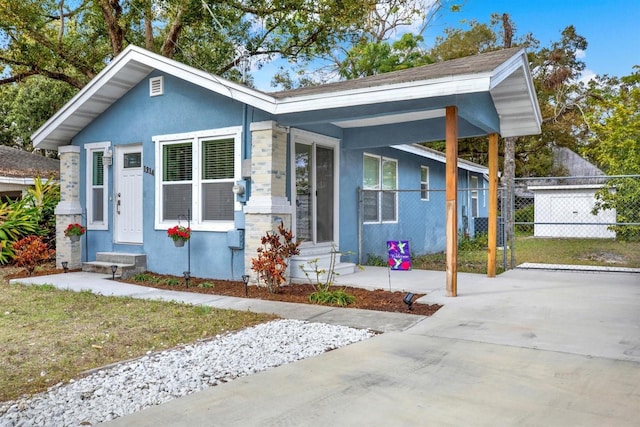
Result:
[{"x": 97, "y": 185}]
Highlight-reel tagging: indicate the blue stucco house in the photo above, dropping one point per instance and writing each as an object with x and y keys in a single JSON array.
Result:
[{"x": 150, "y": 143}]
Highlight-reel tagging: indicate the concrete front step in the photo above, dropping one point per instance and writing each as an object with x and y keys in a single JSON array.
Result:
[
  {"x": 317, "y": 259},
  {"x": 127, "y": 264}
]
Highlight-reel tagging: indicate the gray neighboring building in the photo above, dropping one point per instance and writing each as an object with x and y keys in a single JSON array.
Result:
[{"x": 19, "y": 168}]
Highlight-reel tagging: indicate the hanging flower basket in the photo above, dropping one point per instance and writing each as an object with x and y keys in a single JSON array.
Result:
[
  {"x": 74, "y": 232},
  {"x": 179, "y": 235}
]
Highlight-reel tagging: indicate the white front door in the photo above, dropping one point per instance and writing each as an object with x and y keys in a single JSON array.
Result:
[{"x": 128, "y": 194}]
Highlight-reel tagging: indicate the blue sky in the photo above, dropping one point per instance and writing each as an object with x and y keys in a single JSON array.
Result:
[{"x": 612, "y": 27}]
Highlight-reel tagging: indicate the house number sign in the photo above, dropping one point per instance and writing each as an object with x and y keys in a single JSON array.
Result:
[{"x": 149, "y": 170}]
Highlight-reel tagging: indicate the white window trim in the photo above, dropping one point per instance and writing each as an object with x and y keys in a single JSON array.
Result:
[
  {"x": 425, "y": 199},
  {"x": 475, "y": 189},
  {"x": 196, "y": 138},
  {"x": 380, "y": 189},
  {"x": 91, "y": 148}
]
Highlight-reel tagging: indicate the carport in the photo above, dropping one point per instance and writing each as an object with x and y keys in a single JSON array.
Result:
[{"x": 489, "y": 95}]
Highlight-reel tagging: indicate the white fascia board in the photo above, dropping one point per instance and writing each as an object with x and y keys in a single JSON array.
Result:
[
  {"x": 440, "y": 158},
  {"x": 446, "y": 86},
  {"x": 508, "y": 68},
  {"x": 208, "y": 81},
  {"x": 16, "y": 181},
  {"x": 85, "y": 94}
]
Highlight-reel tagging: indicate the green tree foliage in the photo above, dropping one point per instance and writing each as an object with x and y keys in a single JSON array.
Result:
[
  {"x": 72, "y": 40},
  {"x": 383, "y": 56},
  {"x": 555, "y": 70},
  {"x": 25, "y": 106},
  {"x": 389, "y": 39},
  {"x": 65, "y": 43},
  {"x": 614, "y": 125}
]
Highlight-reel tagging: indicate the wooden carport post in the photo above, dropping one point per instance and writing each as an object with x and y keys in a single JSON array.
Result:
[
  {"x": 493, "y": 205},
  {"x": 451, "y": 139}
]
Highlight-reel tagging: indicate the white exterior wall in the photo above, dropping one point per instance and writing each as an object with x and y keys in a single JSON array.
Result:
[{"x": 561, "y": 210}]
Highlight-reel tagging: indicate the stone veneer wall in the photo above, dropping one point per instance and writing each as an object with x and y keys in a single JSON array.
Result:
[
  {"x": 268, "y": 204},
  {"x": 69, "y": 210}
]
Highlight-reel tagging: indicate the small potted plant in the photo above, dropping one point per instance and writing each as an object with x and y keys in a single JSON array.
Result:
[
  {"x": 179, "y": 234},
  {"x": 74, "y": 232}
]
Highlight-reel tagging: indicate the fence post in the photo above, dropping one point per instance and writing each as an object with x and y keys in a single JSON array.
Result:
[{"x": 493, "y": 205}]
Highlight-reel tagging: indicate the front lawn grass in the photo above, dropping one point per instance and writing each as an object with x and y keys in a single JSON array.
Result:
[
  {"x": 49, "y": 335},
  {"x": 600, "y": 252}
]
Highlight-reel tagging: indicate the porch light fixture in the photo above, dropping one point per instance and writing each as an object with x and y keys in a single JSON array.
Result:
[
  {"x": 187, "y": 276},
  {"x": 107, "y": 157},
  {"x": 408, "y": 299},
  {"x": 65, "y": 266},
  {"x": 114, "y": 268},
  {"x": 245, "y": 280}
]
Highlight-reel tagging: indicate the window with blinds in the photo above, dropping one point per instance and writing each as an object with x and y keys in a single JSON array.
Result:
[
  {"x": 97, "y": 187},
  {"x": 198, "y": 171},
  {"x": 177, "y": 172},
  {"x": 217, "y": 179}
]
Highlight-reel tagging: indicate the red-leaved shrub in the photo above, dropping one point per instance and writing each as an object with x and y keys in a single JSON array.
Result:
[{"x": 31, "y": 251}]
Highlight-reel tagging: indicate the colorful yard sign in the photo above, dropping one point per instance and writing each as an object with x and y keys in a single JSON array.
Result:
[{"x": 399, "y": 254}]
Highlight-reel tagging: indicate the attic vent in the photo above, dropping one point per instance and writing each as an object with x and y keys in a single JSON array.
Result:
[{"x": 156, "y": 86}]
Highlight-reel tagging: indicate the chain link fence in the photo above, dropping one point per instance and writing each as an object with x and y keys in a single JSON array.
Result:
[
  {"x": 587, "y": 207},
  {"x": 594, "y": 207}
]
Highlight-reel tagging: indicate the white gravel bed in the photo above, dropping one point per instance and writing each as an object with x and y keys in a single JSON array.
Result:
[{"x": 159, "y": 377}]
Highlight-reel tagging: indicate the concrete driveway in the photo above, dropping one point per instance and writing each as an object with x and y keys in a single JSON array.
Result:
[{"x": 529, "y": 347}]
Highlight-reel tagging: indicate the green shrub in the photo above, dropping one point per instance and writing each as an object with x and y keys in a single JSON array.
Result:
[
  {"x": 375, "y": 261},
  {"x": 467, "y": 243},
  {"x": 525, "y": 214},
  {"x": 17, "y": 220},
  {"x": 32, "y": 215},
  {"x": 207, "y": 285},
  {"x": 171, "y": 281},
  {"x": 337, "y": 297},
  {"x": 144, "y": 277}
]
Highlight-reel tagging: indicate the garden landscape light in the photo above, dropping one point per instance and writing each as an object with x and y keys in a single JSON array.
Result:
[
  {"x": 408, "y": 300},
  {"x": 245, "y": 280},
  {"x": 114, "y": 268},
  {"x": 187, "y": 276},
  {"x": 65, "y": 266}
]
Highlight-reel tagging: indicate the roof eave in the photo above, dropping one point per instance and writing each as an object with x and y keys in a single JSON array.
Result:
[{"x": 440, "y": 157}]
